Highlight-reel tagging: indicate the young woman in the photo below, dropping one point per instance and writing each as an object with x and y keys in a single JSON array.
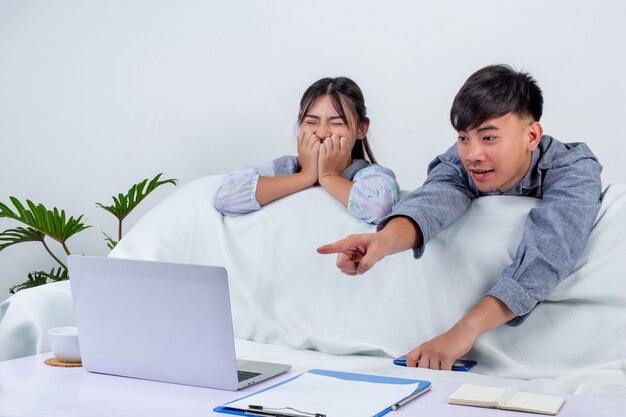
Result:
[{"x": 332, "y": 151}]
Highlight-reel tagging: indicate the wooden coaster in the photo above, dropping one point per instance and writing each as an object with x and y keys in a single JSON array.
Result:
[{"x": 55, "y": 362}]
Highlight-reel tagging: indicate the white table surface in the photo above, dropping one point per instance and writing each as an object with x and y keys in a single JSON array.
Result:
[{"x": 28, "y": 387}]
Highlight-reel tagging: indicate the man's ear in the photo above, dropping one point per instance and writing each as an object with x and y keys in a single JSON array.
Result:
[
  {"x": 535, "y": 133},
  {"x": 361, "y": 132}
]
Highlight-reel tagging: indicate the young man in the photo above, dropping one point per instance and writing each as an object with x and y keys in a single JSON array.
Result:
[{"x": 501, "y": 150}]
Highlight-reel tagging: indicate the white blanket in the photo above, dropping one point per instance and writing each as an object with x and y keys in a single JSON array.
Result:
[
  {"x": 26, "y": 317},
  {"x": 284, "y": 293}
]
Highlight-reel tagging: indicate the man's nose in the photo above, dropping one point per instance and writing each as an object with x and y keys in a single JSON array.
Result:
[{"x": 475, "y": 152}]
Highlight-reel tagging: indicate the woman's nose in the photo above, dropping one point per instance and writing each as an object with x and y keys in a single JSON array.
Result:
[{"x": 323, "y": 131}]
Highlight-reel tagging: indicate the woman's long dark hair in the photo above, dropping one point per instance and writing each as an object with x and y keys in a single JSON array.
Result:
[{"x": 348, "y": 101}]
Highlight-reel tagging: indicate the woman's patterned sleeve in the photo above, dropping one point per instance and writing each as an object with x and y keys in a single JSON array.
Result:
[
  {"x": 374, "y": 193},
  {"x": 236, "y": 194}
]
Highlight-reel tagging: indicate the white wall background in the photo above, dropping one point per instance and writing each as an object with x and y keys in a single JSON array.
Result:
[{"x": 96, "y": 95}]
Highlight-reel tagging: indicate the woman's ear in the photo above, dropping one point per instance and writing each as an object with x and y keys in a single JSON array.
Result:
[{"x": 361, "y": 132}]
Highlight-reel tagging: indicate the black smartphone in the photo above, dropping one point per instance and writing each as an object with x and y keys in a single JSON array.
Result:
[{"x": 458, "y": 365}]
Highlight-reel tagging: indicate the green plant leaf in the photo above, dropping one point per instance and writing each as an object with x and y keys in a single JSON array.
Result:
[
  {"x": 12, "y": 237},
  {"x": 37, "y": 278},
  {"x": 60, "y": 274},
  {"x": 110, "y": 242},
  {"x": 52, "y": 223},
  {"x": 123, "y": 204}
]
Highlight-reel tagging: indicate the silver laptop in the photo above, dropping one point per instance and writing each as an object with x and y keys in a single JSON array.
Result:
[{"x": 159, "y": 321}]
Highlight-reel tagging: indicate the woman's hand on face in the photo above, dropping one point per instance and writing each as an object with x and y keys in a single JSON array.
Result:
[
  {"x": 308, "y": 154},
  {"x": 334, "y": 156}
]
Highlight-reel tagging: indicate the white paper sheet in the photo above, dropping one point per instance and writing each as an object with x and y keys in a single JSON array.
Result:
[{"x": 335, "y": 397}]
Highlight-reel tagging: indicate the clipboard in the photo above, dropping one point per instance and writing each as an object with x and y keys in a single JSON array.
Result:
[{"x": 354, "y": 388}]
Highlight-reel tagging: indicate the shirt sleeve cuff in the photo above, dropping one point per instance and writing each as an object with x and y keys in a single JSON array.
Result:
[
  {"x": 418, "y": 251},
  {"x": 511, "y": 293},
  {"x": 237, "y": 194}
]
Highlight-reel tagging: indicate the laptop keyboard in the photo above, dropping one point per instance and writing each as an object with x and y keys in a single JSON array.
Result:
[{"x": 244, "y": 375}]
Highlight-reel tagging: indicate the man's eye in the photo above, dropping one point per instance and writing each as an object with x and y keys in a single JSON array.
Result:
[
  {"x": 462, "y": 139},
  {"x": 489, "y": 138}
]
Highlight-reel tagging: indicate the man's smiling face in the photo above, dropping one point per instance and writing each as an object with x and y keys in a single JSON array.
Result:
[{"x": 498, "y": 152}]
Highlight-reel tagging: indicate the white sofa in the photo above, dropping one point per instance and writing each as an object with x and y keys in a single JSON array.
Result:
[{"x": 286, "y": 295}]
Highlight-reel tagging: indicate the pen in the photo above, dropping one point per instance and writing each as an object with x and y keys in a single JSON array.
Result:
[
  {"x": 268, "y": 414},
  {"x": 259, "y": 410},
  {"x": 409, "y": 398}
]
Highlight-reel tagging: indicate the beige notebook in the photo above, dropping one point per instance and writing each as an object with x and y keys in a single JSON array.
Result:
[{"x": 506, "y": 399}]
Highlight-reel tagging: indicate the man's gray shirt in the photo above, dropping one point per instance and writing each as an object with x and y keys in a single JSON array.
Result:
[{"x": 566, "y": 176}]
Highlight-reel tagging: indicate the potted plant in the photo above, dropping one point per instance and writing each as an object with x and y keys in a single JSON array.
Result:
[{"x": 42, "y": 224}]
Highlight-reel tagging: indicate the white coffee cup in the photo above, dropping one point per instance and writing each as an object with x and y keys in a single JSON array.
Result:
[{"x": 64, "y": 343}]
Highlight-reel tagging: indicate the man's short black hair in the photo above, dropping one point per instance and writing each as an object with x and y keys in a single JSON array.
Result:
[{"x": 492, "y": 92}]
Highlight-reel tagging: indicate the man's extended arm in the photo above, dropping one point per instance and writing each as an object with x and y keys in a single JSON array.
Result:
[{"x": 414, "y": 220}]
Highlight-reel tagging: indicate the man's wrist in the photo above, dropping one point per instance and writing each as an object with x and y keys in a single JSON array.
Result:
[
  {"x": 489, "y": 313},
  {"x": 402, "y": 233}
]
